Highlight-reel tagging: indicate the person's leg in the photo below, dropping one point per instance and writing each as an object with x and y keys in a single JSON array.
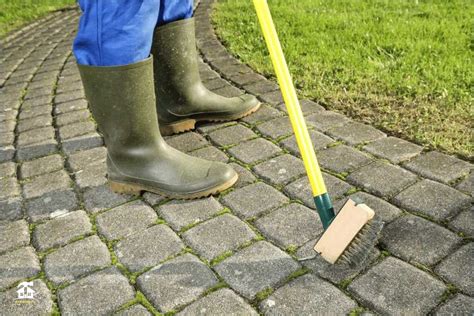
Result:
[
  {"x": 181, "y": 98},
  {"x": 115, "y": 32}
]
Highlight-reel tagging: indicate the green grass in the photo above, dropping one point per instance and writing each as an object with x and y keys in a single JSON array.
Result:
[
  {"x": 405, "y": 66},
  {"x": 15, "y": 13}
]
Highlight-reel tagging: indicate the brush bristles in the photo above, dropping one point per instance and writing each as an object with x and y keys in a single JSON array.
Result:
[{"x": 359, "y": 249}]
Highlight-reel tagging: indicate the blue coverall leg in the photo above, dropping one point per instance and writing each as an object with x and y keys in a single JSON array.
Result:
[{"x": 120, "y": 32}]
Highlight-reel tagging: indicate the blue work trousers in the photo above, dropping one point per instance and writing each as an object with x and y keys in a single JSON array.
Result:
[{"x": 120, "y": 32}]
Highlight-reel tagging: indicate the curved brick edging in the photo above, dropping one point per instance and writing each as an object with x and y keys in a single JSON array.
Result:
[{"x": 52, "y": 161}]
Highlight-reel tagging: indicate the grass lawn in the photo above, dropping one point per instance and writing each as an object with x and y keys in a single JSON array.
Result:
[
  {"x": 15, "y": 13},
  {"x": 405, "y": 66}
]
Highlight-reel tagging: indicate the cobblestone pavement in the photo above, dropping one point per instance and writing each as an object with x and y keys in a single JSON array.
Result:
[{"x": 90, "y": 251}]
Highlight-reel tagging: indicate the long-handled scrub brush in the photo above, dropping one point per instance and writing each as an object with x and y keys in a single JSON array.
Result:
[{"x": 350, "y": 236}]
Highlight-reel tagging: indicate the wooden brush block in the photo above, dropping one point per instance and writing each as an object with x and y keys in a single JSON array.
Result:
[{"x": 348, "y": 222}]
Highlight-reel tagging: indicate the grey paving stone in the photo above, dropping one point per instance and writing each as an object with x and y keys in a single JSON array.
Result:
[
  {"x": 125, "y": 220},
  {"x": 61, "y": 230},
  {"x": 218, "y": 235},
  {"x": 355, "y": 133},
  {"x": 34, "y": 123},
  {"x": 7, "y": 126},
  {"x": 245, "y": 176},
  {"x": 307, "y": 106},
  {"x": 384, "y": 210},
  {"x": 234, "y": 134},
  {"x": 179, "y": 214},
  {"x": 187, "y": 141},
  {"x": 254, "y": 199},
  {"x": 11, "y": 209},
  {"x": 79, "y": 160},
  {"x": 36, "y": 150},
  {"x": 18, "y": 265},
  {"x": 92, "y": 295},
  {"x": 51, "y": 203},
  {"x": 415, "y": 239},
  {"x": 76, "y": 129},
  {"x": 41, "y": 166},
  {"x": 102, "y": 197},
  {"x": 36, "y": 111},
  {"x": 467, "y": 185},
  {"x": 10, "y": 188},
  {"x": 254, "y": 150},
  {"x": 335, "y": 273},
  {"x": 135, "y": 310},
  {"x": 221, "y": 302},
  {"x": 92, "y": 175},
  {"x": 35, "y": 136},
  {"x": 382, "y": 179},
  {"x": 42, "y": 304},
  {"x": 325, "y": 120},
  {"x": 152, "y": 198},
  {"x": 7, "y": 114},
  {"x": 280, "y": 170},
  {"x": 210, "y": 153},
  {"x": 440, "y": 167},
  {"x": 395, "y": 287},
  {"x": 459, "y": 305},
  {"x": 176, "y": 282},
  {"x": 263, "y": 114},
  {"x": 54, "y": 181},
  {"x": 276, "y": 128},
  {"x": 229, "y": 91},
  {"x": 148, "y": 248},
  {"x": 260, "y": 87},
  {"x": 70, "y": 106},
  {"x": 291, "y": 225},
  {"x": 432, "y": 198},
  {"x": 256, "y": 268},
  {"x": 342, "y": 158},
  {"x": 457, "y": 268},
  {"x": 87, "y": 141},
  {"x": 246, "y": 78},
  {"x": 7, "y": 139},
  {"x": 76, "y": 259},
  {"x": 208, "y": 127},
  {"x": 13, "y": 235},
  {"x": 7, "y": 169},
  {"x": 308, "y": 295},
  {"x": 319, "y": 141},
  {"x": 32, "y": 102},
  {"x": 72, "y": 117},
  {"x": 464, "y": 222},
  {"x": 70, "y": 96},
  {"x": 215, "y": 83},
  {"x": 394, "y": 149},
  {"x": 301, "y": 189}
]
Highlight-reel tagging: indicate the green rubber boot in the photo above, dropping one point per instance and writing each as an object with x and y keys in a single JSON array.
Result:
[
  {"x": 122, "y": 101},
  {"x": 181, "y": 98}
]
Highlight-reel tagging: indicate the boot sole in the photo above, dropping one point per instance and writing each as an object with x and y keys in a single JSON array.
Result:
[
  {"x": 137, "y": 189},
  {"x": 190, "y": 124}
]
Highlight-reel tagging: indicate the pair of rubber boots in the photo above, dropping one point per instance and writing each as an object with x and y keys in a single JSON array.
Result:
[{"x": 130, "y": 117}]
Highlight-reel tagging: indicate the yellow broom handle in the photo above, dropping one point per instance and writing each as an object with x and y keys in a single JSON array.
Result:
[{"x": 289, "y": 96}]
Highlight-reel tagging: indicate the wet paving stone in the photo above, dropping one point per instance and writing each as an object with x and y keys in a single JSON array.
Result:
[
  {"x": 417, "y": 240},
  {"x": 256, "y": 268},
  {"x": 180, "y": 214},
  {"x": 218, "y": 235},
  {"x": 76, "y": 259},
  {"x": 290, "y": 226},
  {"x": 280, "y": 170},
  {"x": 308, "y": 295},
  {"x": 395, "y": 287},
  {"x": 433, "y": 199},
  {"x": 253, "y": 200},
  {"x": 221, "y": 302},
  {"x": 254, "y": 150},
  {"x": 61, "y": 230},
  {"x": 93, "y": 293},
  {"x": 148, "y": 248},
  {"x": 176, "y": 282},
  {"x": 457, "y": 268}
]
